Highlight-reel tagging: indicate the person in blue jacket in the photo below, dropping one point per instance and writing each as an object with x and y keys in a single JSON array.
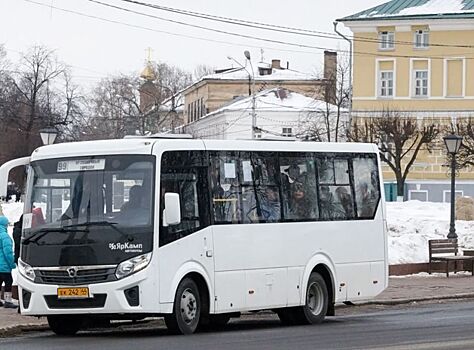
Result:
[{"x": 7, "y": 263}]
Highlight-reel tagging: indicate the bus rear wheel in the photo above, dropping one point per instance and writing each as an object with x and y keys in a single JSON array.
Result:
[
  {"x": 316, "y": 305},
  {"x": 186, "y": 308},
  {"x": 65, "y": 325}
]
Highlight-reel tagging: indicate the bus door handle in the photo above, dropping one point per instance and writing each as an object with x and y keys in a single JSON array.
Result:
[{"x": 208, "y": 251}]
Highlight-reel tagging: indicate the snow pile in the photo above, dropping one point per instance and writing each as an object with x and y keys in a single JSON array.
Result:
[
  {"x": 12, "y": 211},
  {"x": 410, "y": 225}
]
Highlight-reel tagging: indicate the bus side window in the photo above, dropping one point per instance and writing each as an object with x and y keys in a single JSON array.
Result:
[
  {"x": 185, "y": 173},
  {"x": 366, "y": 182},
  {"x": 298, "y": 187},
  {"x": 260, "y": 187},
  {"x": 225, "y": 187},
  {"x": 335, "y": 191}
]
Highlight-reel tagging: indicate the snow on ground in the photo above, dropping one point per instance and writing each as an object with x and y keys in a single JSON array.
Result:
[{"x": 410, "y": 225}]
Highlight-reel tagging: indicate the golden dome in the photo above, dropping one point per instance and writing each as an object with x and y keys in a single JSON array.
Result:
[{"x": 148, "y": 73}]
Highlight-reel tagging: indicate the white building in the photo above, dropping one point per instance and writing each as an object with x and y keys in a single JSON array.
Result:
[{"x": 279, "y": 112}]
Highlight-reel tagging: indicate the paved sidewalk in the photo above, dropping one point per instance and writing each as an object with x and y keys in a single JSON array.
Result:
[{"x": 402, "y": 289}]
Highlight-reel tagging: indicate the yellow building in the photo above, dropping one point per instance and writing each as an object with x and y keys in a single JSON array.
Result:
[{"x": 417, "y": 57}]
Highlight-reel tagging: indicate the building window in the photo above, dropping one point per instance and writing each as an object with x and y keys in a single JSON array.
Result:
[
  {"x": 418, "y": 195},
  {"x": 287, "y": 132},
  {"x": 422, "y": 39},
  {"x": 421, "y": 83},
  {"x": 447, "y": 195},
  {"x": 386, "y": 40},
  {"x": 386, "y": 84},
  {"x": 258, "y": 134}
]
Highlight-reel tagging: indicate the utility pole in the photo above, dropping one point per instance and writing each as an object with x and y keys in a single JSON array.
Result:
[
  {"x": 254, "y": 116},
  {"x": 350, "y": 71}
]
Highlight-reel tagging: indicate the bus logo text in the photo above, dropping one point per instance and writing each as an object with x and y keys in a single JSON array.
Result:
[{"x": 127, "y": 247}]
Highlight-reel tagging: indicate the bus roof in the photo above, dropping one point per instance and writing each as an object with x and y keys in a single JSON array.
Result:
[{"x": 148, "y": 145}]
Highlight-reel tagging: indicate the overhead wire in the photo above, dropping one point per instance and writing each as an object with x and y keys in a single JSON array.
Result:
[
  {"x": 208, "y": 28},
  {"x": 163, "y": 31},
  {"x": 250, "y": 24},
  {"x": 273, "y": 27},
  {"x": 280, "y": 42}
]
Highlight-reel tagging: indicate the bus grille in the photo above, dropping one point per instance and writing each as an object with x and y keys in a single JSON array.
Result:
[
  {"x": 54, "y": 302},
  {"x": 61, "y": 277}
]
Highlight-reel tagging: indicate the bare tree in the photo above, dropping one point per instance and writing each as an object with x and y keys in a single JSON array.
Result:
[
  {"x": 171, "y": 79},
  {"x": 399, "y": 137},
  {"x": 115, "y": 102},
  {"x": 330, "y": 122},
  {"x": 71, "y": 110},
  {"x": 126, "y": 104},
  {"x": 202, "y": 70},
  {"x": 38, "y": 72},
  {"x": 465, "y": 128}
]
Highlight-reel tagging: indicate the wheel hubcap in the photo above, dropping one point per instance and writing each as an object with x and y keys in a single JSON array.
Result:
[
  {"x": 188, "y": 306},
  {"x": 315, "y": 299}
]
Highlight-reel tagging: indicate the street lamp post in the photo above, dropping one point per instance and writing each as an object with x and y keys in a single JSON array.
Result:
[
  {"x": 453, "y": 143},
  {"x": 48, "y": 136},
  {"x": 251, "y": 76},
  {"x": 254, "y": 116}
]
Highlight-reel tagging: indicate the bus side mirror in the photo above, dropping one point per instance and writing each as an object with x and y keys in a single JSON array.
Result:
[{"x": 172, "y": 212}]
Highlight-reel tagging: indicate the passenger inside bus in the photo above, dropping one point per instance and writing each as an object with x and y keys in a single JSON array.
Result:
[
  {"x": 299, "y": 205},
  {"x": 136, "y": 210},
  {"x": 134, "y": 199},
  {"x": 270, "y": 205},
  {"x": 345, "y": 201}
]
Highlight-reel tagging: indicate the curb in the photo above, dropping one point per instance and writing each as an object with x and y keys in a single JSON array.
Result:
[
  {"x": 22, "y": 329},
  {"x": 413, "y": 300}
]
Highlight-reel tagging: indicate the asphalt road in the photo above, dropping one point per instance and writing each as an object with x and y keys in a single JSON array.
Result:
[{"x": 429, "y": 326}]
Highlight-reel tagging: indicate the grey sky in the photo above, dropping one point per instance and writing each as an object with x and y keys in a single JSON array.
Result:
[{"x": 96, "y": 48}]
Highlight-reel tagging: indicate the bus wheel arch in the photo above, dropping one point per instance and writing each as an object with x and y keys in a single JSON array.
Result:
[
  {"x": 326, "y": 274},
  {"x": 192, "y": 289},
  {"x": 321, "y": 264}
]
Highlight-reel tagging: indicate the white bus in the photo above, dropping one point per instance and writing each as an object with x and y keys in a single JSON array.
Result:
[{"x": 199, "y": 231}]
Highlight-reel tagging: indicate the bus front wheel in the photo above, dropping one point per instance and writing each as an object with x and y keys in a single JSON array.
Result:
[
  {"x": 186, "y": 309},
  {"x": 316, "y": 305},
  {"x": 65, "y": 325}
]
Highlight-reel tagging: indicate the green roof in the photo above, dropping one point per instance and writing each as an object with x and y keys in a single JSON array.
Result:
[{"x": 416, "y": 9}]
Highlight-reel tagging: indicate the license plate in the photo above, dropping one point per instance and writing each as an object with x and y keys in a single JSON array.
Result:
[{"x": 79, "y": 293}]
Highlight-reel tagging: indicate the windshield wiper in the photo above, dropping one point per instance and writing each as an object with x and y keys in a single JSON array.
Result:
[
  {"x": 102, "y": 223},
  {"x": 44, "y": 231}
]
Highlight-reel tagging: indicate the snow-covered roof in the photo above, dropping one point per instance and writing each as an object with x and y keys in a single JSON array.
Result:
[
  {"x": 408, "y": 9},
  {"x": 243, "y": 74},
  {"x": 277, "y": 99}
]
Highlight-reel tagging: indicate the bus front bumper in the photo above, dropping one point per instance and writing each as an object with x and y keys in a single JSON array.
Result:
[{"x": 135, "y": 294}]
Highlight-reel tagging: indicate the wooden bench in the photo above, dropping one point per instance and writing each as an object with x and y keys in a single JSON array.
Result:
[{"x": 446, "y": 250}]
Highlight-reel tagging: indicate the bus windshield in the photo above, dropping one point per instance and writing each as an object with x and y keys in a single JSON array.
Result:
[{"x": 92, "y": 201}]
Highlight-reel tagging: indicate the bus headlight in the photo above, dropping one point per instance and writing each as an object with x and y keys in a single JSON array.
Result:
[
  {"x": 132, "y": 265},
  {"x": 26, "y": 270}
]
